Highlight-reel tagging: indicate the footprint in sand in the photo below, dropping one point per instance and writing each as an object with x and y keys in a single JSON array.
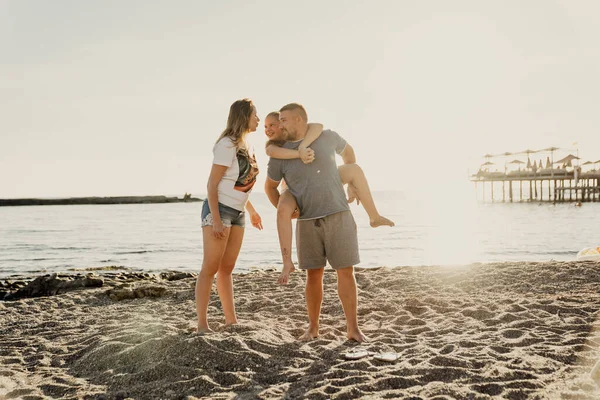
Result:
[
  {"x": 512, "y": 333},
  {"x": 447, "y": 349}
]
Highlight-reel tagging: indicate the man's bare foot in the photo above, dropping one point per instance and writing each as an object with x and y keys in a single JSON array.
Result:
[
  {"x": 381, "y": 221},
  {"x": 356, "y": 335},
  {"x": 310, "y": 334},
  {"x": 288, "y": 268},
  {"x": 227, "y": 323}
]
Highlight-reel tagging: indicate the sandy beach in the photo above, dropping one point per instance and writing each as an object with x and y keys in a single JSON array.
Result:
[{"x": 503, "y": 330}]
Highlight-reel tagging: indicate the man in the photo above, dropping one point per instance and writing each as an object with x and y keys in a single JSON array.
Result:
[{"x": 325, "y": 230}]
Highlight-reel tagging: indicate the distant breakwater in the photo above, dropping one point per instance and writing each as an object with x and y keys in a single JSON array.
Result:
[{"x": 98, "y": 200}]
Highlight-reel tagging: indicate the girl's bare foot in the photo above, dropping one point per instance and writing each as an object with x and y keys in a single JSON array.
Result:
[
  {"x": 288, "y": 268},
  {"x": 381, "y": 221},
  {"x": 310, "y": 334}
]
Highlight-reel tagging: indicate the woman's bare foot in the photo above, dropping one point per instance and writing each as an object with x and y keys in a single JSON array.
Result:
[
  {"x": 310, "y": 334},
  {"x": 203, "y": 329},
  {"x": 381, "y": 221},
  {"x": 288, "y": 268},
  {"x": 356, "y": 335},
  {"x": 232, "y": 322}
]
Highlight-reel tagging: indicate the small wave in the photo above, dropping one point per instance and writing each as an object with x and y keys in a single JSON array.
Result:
[
  {"x": 531, "y": 253},
  {"x": 144, "y": 251},
  {"x": 41, "y": 247},
  {"x": 37, "y": 230},
  {"x": 70, "y": 248},
  {"x": 38, "y": 259},
  {"x": 388, "y": 248},
  {"x": 105, "y": 268}
]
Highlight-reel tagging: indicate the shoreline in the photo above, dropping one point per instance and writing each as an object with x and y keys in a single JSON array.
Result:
[
  {"x": 517, "y": 330},
  {"x": 97, "y": 200}
]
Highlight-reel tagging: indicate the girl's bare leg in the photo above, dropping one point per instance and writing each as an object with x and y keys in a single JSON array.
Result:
[
  {"x": 286, "y": 207},
  {"x": 224, "y": 278},
  {"x": 352, "y": 174}
]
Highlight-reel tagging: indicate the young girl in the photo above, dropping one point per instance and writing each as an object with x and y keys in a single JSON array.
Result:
[{"x": 287, "y": 209}]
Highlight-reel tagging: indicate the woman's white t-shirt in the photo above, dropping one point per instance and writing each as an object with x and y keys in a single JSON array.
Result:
[{"x": 242, "y": 169}]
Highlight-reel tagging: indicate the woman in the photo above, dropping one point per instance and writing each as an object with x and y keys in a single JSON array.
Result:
[{"x": 232, "y": 176}]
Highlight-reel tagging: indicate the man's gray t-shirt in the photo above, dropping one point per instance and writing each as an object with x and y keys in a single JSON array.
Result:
[{"x": 317, "y": 186}]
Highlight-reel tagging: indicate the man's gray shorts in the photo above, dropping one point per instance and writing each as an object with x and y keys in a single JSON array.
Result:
[{"x": 332, "y": 238}]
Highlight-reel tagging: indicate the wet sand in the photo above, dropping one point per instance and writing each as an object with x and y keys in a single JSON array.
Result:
[{"x": 503, "y": 330}]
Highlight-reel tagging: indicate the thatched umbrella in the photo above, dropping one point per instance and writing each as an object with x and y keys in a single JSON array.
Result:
[
  {"x": 551, "y": 150},
  {"x": 550, "y": 163},
  {"x": 485, "y": 165},
  {"x": 528, "y": 152},
  {"x": 518, "y": 162},
  {"x": 505, "y": 154},
  {"x": 567, "y": 160},
  {"x": 587, "y": 163}
]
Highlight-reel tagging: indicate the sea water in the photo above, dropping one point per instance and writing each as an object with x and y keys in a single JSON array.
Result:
[{"x": 152, "y": 237}]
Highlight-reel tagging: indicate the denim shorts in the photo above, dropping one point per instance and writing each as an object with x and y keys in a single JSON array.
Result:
[{"x": 229, "y": 216}]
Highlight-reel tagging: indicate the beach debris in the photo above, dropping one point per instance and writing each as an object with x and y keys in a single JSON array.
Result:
[
  {"x": 50, "y": 285},
  {"x": 136, "y": 293},
  {"x": 357, "y": 354},
  {"x": 387, "y": 357},
  {"x": 589, "y": 254}
]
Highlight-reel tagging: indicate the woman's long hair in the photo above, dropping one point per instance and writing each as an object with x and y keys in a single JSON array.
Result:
[{"x": 238, "y": 122}]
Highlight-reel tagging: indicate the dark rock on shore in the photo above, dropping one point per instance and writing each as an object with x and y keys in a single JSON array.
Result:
[
  {"x": 50, "y": 285},
  {"x": 123, "y": 285},
  {"x": 175, "y": 276},
  {"x": 99, "y": 200},
  {"x": 136, "y": 293}
]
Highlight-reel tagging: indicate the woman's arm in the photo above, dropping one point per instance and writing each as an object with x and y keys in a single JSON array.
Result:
[
  {"x": 216, "y": 174},
  {"x": 254, "y": 216}
]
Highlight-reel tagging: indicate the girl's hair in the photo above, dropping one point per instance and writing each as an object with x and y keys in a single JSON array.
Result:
[
  {"x": 238, "y": 121},
  {"x": 274, "y": 114}
]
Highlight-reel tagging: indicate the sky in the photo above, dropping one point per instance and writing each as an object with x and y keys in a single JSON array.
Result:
[{"x": 103, "y": 98}]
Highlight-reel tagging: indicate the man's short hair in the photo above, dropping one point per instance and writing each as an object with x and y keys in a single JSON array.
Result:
[
  {"x": 273, "y": 114},
  {"x": 298, "y": 108}
]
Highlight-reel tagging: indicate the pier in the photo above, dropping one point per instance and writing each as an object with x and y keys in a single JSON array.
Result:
[{"x": 567, "y": 183}]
